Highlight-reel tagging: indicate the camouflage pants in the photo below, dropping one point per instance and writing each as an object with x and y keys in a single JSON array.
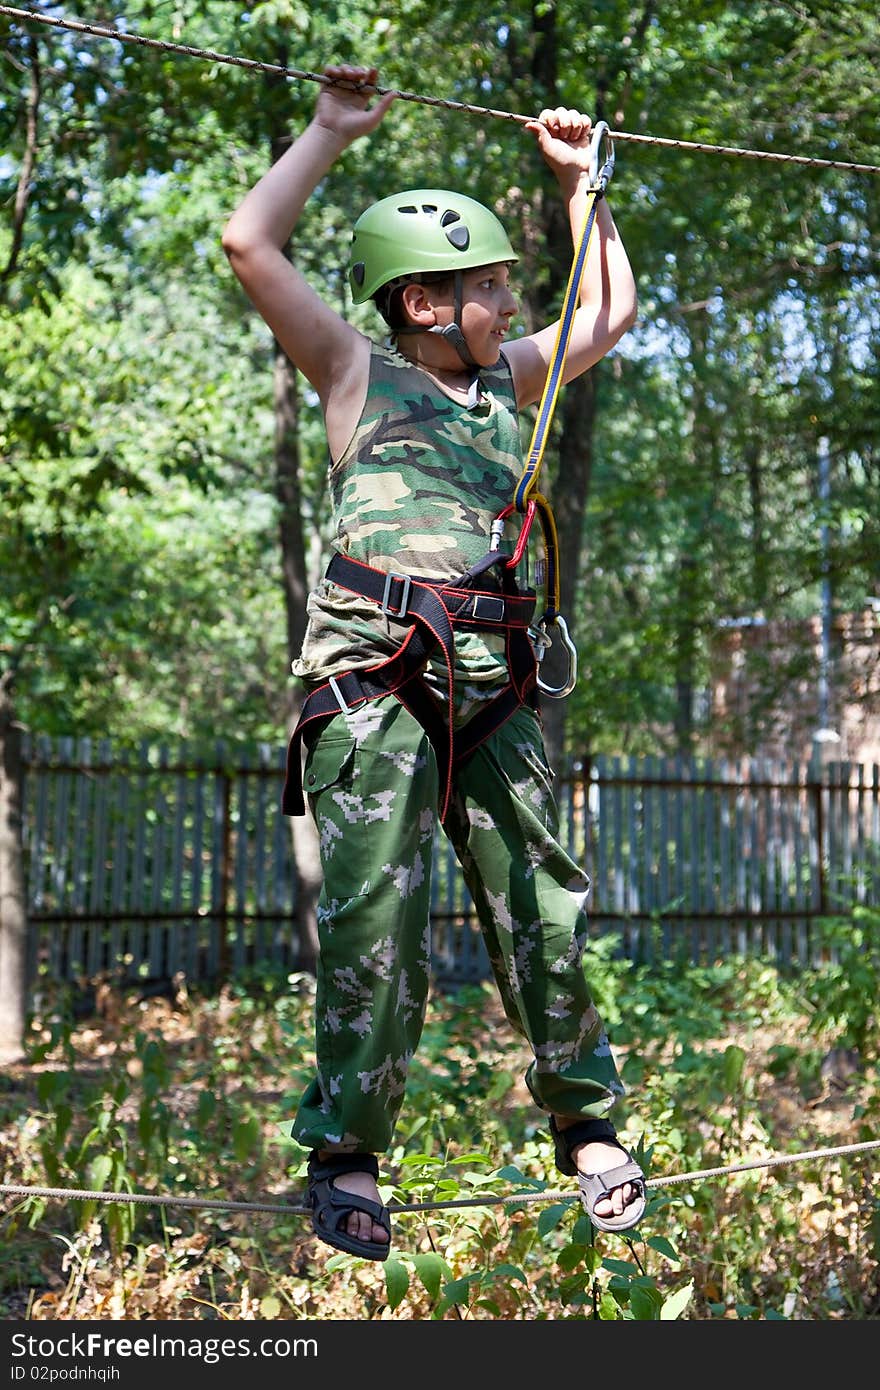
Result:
[{"x": 372, "y": 782}]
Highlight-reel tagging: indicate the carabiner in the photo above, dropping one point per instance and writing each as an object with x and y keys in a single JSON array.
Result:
[
  {"x": 542, "y": 641},
  {"x": 496, "y": 532},
  {"x": 600, "y": 178}
]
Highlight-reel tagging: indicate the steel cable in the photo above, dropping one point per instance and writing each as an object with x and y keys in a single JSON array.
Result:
[
  {"x": 403, "y": 1209},
  {"x": 297, "y": 74}
]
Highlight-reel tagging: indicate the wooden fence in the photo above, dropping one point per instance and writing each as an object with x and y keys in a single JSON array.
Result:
[{"x": 149, "y": 863}]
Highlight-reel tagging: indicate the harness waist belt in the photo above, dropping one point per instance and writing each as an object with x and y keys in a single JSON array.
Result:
[{"x": 431, "y": 610}]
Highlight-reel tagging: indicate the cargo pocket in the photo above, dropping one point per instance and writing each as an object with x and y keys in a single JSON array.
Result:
[{"x": 330, "y": 781}]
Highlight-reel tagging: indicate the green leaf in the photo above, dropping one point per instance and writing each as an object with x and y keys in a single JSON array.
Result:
[
  {"x": 490, "y": 1305},
  {"x": 734, "y": 1063},
  {"x": 245, "y": 1138},
  {"x": 582, "y": 1231},
  {"x": 550, "y": 1218},
  {"x": 664, "y": 1247},
  {"x": 746, "y": 1311},
  {"x": 675, "y": 1304},
  {"x": 98, "y": 1172},
  {"x": 396, "y": 1281},
  {"x": 206, "y": 1108},
  {"x": 506, "y": 1271},
  {"x": 47, "y": 1085},
  {"x": 431, "y": 1269},
  {"x": 571, "y": 1256},
  {"x": 646, "y": 1303},
  {"x": 270, "y": 1307},
  {"x": 458, "y": 1290},
  {"x": 512, "y": 1174}
]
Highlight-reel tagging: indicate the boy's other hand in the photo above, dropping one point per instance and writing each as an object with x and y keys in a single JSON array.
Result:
[
  {"x": 563, "y": 136},
  {"x": 345, "y": 110}
]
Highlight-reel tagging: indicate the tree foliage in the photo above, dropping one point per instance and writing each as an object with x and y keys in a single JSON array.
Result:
[{"x": 140, "y": 588}]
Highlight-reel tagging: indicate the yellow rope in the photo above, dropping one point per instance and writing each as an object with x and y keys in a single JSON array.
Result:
[{"x": 698, "y": 146}]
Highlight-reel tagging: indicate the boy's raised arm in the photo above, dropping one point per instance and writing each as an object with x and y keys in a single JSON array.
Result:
[
  {"x": 608, "y": 300},
  {"x": 316, "y": 339}
]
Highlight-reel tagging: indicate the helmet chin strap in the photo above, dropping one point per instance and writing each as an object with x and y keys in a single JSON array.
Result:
[
  {"x": 454, "y": 336},
  {"x": 452, "y": 332}
]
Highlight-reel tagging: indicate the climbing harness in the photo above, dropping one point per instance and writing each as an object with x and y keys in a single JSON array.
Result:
[{"x": 432, "y": 610}]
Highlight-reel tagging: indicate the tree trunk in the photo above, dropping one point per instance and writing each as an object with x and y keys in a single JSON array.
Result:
[
  {"x": 13, "y": 901},
  {"x": 570, "y": 492},
  {"x": 693, "y": 568},
  {"x": 685, "y": 652},
  {"x": 295, "y": 584},
  {"x": 577, "y": 409},
  {"x": 294, "y": 573}
]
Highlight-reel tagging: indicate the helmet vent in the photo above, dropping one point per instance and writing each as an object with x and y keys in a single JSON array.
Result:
[
  {"x": 357, "y": 273},
  {"x": 459, "y": 236},
  {"x": 449, "y": 216}
]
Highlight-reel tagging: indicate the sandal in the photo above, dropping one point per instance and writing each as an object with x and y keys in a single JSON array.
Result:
[
  {"x": 331, "y": 1206},
  {"x": 594, "y": 1186}
]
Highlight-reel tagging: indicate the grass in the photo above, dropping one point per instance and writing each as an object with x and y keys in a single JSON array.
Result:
[{"x": 186, "y": 1096}]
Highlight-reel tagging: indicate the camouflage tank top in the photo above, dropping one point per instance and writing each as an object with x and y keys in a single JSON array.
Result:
[{"x": 416, "y": 491}]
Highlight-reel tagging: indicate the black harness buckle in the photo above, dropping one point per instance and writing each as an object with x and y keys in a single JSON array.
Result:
[
  {"x": 400, "y": 611},
  {"x": 488, "y": 608}
]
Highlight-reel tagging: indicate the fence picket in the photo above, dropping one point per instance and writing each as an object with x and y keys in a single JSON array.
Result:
[
  {"x": 79, "y": 898},
  {"x": 120, "y": 803},
  {"x": 664, "y": 904},
  {"x": 600, "y": 832},
  {"x": 138, "y": 865}
]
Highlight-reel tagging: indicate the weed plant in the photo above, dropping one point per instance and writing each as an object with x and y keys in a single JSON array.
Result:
[{"x": 188, "y": 1098}]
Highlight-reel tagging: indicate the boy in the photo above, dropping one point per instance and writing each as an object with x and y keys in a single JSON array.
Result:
[{"x": 420, "y": 672}]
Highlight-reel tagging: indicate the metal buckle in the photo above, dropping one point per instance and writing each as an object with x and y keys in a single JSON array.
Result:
[
  {"x": 340, "y": 698},
  {"x": 543, "y": 640},
  {"x": 540, "y": 641},
  {"x": 407, "y": 585},
  {"x": 494, "y": 605}
]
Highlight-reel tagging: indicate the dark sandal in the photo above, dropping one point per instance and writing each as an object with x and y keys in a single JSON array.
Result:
[
  {"x": 594, "y": 1186},
  {"x": 331, "y": 1207}
]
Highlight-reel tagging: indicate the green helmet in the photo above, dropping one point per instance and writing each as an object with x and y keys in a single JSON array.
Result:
[{"x": 422, "y": 230}]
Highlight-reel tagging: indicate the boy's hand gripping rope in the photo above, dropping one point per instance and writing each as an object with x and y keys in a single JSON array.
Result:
[{"x": 527, "y": 499}]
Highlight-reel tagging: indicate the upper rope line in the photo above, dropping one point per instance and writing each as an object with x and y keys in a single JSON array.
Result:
[
  {"x": 74, "y": 1194},
  {"x": 297, "y": 74}
]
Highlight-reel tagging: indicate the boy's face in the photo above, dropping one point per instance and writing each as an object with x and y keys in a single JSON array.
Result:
[{"x": 488, "y": 305}]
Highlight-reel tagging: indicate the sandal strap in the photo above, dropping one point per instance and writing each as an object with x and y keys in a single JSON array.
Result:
[
  {"x": 594, "y": 1186},
  {"x": 331, "y": 1206},
  {"x": 337, "y": 1200},
  {"x": 587, "y": 1131},
  {"x": 337, "y": 1163},
  {"x": 628, "y": 1172}
]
